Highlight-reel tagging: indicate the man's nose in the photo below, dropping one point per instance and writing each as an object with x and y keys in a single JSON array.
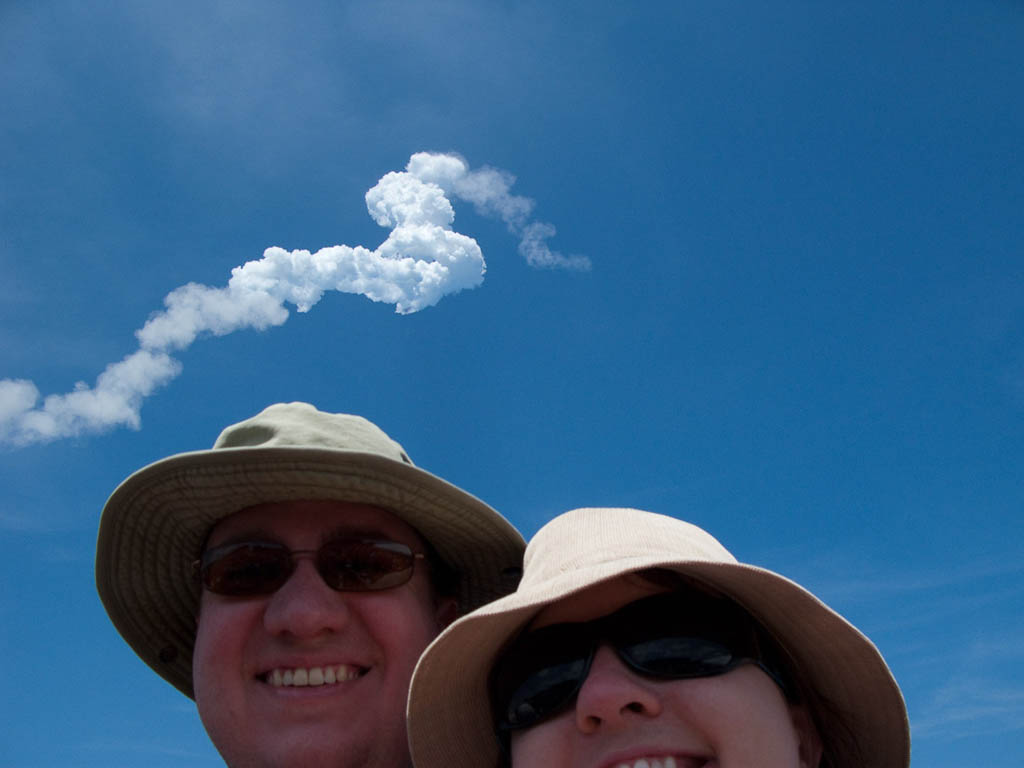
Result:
[
  {"x": 612, "y": 695},
  {"x": 304, "y": 606}
]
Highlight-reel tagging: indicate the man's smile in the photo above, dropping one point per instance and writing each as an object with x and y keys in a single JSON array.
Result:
[{"x": 280, "y": 677}]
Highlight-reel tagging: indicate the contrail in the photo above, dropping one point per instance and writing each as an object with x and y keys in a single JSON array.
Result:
[
  {"x": 421, "y": 261},
  {"x": 488, "y": 190}
]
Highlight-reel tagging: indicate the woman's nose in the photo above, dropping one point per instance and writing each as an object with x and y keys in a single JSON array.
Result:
[{"x": 612, "y": 694}]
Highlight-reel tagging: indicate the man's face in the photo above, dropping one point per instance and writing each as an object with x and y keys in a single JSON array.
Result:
[{"x": 369, "y": 640}]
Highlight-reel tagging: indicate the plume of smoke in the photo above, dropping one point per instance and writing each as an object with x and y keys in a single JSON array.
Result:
[
  {"x": 421, "y": 261},
  {"x": 488, "y": 190}
]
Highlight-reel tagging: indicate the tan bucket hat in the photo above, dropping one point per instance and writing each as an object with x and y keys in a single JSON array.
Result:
[
  {"x": 449, "y": 708},
  {"x": 155, "y": 523}
]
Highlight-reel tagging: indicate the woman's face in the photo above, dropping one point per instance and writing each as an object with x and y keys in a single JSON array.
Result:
[{"x": 621, "y": 719}]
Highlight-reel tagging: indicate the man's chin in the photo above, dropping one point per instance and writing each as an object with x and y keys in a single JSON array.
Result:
[{"x": 299, "y": 742}]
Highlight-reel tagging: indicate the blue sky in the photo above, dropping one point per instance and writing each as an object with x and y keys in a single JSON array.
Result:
[{"x": 802, "y": 326}]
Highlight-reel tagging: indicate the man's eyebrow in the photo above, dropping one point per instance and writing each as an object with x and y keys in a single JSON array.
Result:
[
  {"x": 245, "y": 537},
  {"x": 360, "y": 532},
  {"x": 339, "y": 532}
]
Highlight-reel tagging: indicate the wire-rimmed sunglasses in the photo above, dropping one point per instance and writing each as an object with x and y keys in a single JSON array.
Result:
[{"x": 259, "y": 568}]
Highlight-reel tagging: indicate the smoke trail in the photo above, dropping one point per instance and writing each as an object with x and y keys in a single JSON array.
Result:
[
  {"x": 488, "y": 190},
  {"x": 421, "y": 261}
]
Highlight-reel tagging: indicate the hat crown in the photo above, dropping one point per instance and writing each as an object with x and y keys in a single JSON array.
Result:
[
  {"x": 301, "y": 425},
  {"x": 582, "y": 540}
]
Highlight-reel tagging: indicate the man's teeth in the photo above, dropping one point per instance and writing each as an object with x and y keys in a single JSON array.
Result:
[
  {"x": 650, "y": 762},
  {"x": 312, "y": 676}
]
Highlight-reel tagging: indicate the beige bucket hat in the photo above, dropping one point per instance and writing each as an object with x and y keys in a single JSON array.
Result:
[
  {"x": 449, "y": 708},
  {"x": 155, "y": 523}
]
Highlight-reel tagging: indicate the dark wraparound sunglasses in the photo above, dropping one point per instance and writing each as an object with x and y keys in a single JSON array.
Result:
[
  {"x": 255, "y": 568},
  {"x": 670, "y": 636}
]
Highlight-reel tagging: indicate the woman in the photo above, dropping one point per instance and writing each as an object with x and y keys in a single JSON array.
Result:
[{"x": 636, "y": 640}]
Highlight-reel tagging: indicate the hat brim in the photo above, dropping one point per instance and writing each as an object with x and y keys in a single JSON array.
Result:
[
  {"x": 449, "y": 710},
  {"x": 154, "y": 525}
]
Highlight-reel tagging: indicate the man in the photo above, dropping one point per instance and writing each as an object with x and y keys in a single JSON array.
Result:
[{"x": 289, "y": 578}]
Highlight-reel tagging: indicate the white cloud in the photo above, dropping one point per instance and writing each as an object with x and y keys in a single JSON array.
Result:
[
  {"x": 421, "y": 261},
  {"x": 114, "y": 401},
  {"x": 488, "y": 189},
  {"x": 16, "y": 396},
  {"x": 535, "y": 250}
]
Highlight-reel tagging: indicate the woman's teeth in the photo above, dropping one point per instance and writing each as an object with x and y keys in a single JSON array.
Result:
[{"x": 650, "y": 762}]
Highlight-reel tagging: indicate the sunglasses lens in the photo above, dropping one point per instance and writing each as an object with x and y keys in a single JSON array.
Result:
[
  {"x": 539, "y": 675},
  {"x": 675, "y": 637},
  {"x": 364, "y": 565},
  {"x": 542, "y": 694},
  {"x": 677, "y": 658},
  {"x": 242, "y": 570}
]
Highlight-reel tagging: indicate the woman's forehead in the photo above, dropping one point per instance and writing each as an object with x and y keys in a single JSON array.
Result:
[{"x": 597, "y": 600}]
